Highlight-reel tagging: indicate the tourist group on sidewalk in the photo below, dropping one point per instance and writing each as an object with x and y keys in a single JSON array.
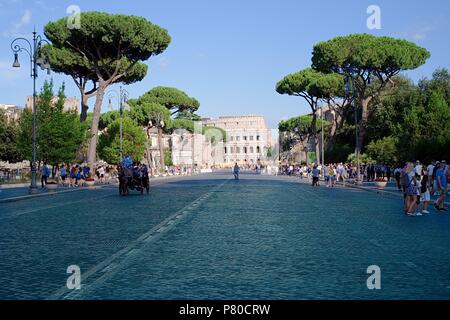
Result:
[
  {"x": 76, "y": 175},
  {"x": 418, "y": 183}
]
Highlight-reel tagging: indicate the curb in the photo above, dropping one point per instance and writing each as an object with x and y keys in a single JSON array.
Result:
[{"x": 45, "y": 194}]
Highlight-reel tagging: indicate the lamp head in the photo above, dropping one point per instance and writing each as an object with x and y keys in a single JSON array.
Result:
[
  {"x": 126, "y": 106},
  {"x": 40, "y": 62},
  {"x": 16, "y": 63},
  {"x": 110, "y": 106}
]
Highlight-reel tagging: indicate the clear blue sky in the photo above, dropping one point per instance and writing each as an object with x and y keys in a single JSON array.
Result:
[{"x": 230, "y": 54}]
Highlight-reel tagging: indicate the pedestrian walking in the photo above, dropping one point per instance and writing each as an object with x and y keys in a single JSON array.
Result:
[
  {"x": 411, "y": 189},
  {"x": 425, "y": 192},
  {"x": 63, "y": 174},
  {"x": 441, "y": 183},
  {"x": 315, "y": 176},
  {"x": 236, "y": 170},
  {"x": 430, "y": 171},
  {"x": 45, "y": 174}
]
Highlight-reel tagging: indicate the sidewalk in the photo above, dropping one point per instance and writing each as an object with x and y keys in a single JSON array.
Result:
[
  {"x": 17, "y": 192},
  {"x": 13, "y": 194},
  {"x": 390, "y": 189}
]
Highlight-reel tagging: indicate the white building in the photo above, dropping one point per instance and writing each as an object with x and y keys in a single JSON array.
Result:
[
  {"x": 11, "y": 111},
  {"x": 248, "y": 138},
  {"x": 70, "y": 103}
]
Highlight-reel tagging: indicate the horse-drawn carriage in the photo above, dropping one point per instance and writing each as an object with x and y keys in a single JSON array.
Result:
[{"x": 134, "y": 178}]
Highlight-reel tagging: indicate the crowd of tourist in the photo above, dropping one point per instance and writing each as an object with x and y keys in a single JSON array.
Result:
[
  {"x": 417, "y": 181},
  {"x": 76, "y": 175},
  {"x": 331, "y": 173}
]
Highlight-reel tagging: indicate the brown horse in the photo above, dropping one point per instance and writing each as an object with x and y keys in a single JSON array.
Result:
[{"x": 127, "y": 180}]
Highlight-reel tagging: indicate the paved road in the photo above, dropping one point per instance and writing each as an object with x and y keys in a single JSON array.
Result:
[{"x": 210, "y": 237}]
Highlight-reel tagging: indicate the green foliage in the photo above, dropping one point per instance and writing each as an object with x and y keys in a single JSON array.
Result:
[
  {"x": 9, "y": 132},
  {"x": 382, "y": 55},
  {"x": 363, "y": 158},
  {"x": 311, "y": 83},
  {"x": 301, "y": 123},
  {"x": 182, "y": 124},
  {"x": 168, "y": 157},
  {"x": 413, "y": 119},
  {"x": 389, "y": 109},
  {"x": 339, "y": 153},
  {"x": 107, "y": 118},
  {"x": 214, "y": 134},
  {"x": 424, "y": 132},
  {"x": 133, "y": 141},
  {"x": 143, "y": 112},
  {"x": 173, "y": 99},
  {"x": 417, "y": 116},
  {"x": 105, "y": 44},
  {"x": 188, "y": 115},
  {"x": 312, "y": 157},
  {"x": 106, "y": 49},
  {"x": 59, "y": 133},
  {"x": 384, "y": 150},
  {"x": 372, "y": 61},
  {"x": 439, "y": 83}
]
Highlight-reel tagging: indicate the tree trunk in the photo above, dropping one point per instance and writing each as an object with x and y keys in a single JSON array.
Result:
[
  {"x": 336, "y": 124},
  {"x": 92, "y": 152},
  {"x": 161, "y": 149},
  {"x": 364, "y": 120},
  {"x": 147, "y": 146},
  {"x": 314, "y": 133},
  {"x": 317, "y": 144},
  {"x": 193, "y": 153},
  {"x": 84, "y": 107},
  {"x": 306, "y": 156}
]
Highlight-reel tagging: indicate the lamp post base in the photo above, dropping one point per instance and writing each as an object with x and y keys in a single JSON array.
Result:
[{"x": 33, "y": 190}]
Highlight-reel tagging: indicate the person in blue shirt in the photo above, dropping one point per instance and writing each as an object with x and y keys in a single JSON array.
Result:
[
  {"x": 127, "y": 162},
  {"x": 86, "y": 172},
  {"x": 63, "y": 173},
  {"x": 315, "y": 176},
  {"x": 45, "y": 174},
  {"x": 236, "y": 170},
  {"x": 441, "y": 182}
]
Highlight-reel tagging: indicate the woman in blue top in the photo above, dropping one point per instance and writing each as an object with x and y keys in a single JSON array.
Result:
[
  {"x": 45, "y": 174},
  {"x": 63, "y": 173},
  {"x": 441, "y": 182}
]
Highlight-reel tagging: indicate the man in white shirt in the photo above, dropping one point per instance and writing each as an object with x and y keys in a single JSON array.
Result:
[
  {"x": 430, "y": 170},
  {"x": 418, "y": 168}
]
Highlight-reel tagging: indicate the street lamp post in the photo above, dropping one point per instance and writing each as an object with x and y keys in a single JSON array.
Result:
[
  {"x": 322, "y": 146},
  {"x": 32, "y": 48},
  {"x": 350, "y": 89},
  {"x": 123, "y": 99}
]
